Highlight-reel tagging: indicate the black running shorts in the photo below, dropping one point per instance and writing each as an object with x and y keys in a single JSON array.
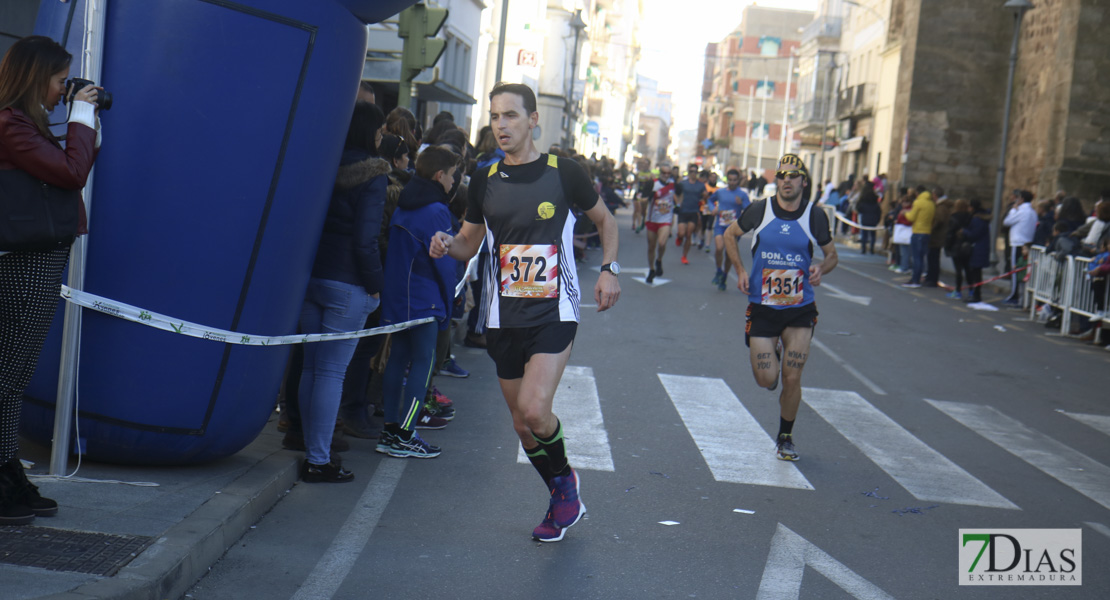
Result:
[
  {"x": 511, "y": 348},
  {"x": 690, "y": 217},
  {"x": 763, "y": 321}
]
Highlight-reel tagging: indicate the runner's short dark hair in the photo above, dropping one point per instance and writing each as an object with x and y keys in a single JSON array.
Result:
[
  {"x": 525, "y": 92},
  {"x": 733, "y": 172},
  {"x": 433, "y": 160}
]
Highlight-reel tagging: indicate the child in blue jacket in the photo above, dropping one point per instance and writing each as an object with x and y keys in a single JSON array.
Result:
[{"x": 416, "y": 286}]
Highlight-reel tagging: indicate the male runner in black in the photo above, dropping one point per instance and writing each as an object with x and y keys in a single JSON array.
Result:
[{"x": 522, "y": 208}]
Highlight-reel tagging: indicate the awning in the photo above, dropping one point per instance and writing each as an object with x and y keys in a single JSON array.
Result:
[
  {"x": 853, "y": 144},
  {"x": 386, "y": 72}
]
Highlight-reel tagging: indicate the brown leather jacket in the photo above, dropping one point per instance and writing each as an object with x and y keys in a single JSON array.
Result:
[{"x": 23, "y": 147}]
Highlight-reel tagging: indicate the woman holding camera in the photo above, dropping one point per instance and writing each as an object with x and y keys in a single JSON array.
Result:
[{"x": 32, "y": 82}]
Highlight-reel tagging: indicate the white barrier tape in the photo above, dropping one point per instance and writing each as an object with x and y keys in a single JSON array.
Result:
[
  {"x": 470, "y": 266},
  {"x": 165, "y": 323},
  {"x": 856, "y": 225}
]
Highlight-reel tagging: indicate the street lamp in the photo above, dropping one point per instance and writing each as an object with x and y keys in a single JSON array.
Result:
[
  {"x": 578, "y": 25},
  {"x": 1018, "y": 8}
]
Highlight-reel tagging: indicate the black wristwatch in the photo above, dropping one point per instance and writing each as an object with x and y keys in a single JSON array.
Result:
[{"x": 612, "y": 267}]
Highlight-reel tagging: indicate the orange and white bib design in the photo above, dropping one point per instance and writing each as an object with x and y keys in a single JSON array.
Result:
[
  {"x": 726, "y": 217},
  {"x": 529, "y": 271},
  {"x": 782, "y": 287}
]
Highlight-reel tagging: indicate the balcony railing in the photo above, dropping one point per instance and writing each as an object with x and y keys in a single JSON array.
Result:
[
  {"x": 824, "y": 26},
  {"x": 811, "y": 113},
  {"x": 856, "y": 100}
]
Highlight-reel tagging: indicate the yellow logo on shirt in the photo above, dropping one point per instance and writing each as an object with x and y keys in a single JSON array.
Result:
[{"x": 546, "y": 211}]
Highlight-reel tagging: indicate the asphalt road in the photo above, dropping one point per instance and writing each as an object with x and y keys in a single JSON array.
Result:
[{"x": 921, "y": 417}]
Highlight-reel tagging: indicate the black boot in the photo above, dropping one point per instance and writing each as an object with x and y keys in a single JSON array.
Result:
[
  {"x": 11, "y": 512},
  {"x": 22, "y": 492}
]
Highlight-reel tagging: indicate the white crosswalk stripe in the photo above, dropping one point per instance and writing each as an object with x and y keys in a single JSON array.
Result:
[
  {"x": 738, "y": 450},
  {"x": 1074, "y": 469},
  {"x": 924, "y": 472},
  {"x": 1099, "y": 422},
  {"x": 734, "y": 446},
  {"x": 579, "y": 409}
]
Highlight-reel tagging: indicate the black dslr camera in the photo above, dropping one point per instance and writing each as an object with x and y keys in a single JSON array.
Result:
[{"x": 76, "y": 84}]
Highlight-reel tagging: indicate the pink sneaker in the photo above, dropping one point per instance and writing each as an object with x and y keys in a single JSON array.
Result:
[{"x": 547, "y": 531}]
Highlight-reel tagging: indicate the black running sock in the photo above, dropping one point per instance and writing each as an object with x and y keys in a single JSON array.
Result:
[
  {"x": 538, "y": 457},
  {"x": 785, "y": 427},
  {"x": 556, "y": 451},
  {"x": 393, "y": 428}
]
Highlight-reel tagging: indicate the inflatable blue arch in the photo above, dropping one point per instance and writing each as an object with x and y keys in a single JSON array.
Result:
[{"x": 209, "y": 196}]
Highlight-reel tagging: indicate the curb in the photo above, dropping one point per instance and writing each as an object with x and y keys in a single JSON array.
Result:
[{"x": 186, "y": 551}]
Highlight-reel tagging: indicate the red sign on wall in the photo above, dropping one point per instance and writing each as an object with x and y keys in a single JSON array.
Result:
[{"x": 526, "y": 58}]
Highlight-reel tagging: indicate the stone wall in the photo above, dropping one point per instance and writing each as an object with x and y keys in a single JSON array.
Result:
[
  {"x": 1084, "y": 170},
  {"x": 1042, "y": 87},
  {"x": 951, "y": 96},
  {"x": 904, "y": 24},
  {"x": 958, "y": 57}
]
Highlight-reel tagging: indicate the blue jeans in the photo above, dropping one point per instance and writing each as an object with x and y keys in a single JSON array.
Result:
[
  {"x": 329, "y": 307},
  {"x": 414, "y": 349},
  {"x": 919, "y": 242},
  {"x": 905, "y": 257},
  {"x": 867, "y": 240}
]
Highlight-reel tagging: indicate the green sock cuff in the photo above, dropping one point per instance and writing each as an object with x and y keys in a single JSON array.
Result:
[
  {"x": 535, "y": 452},
  {"x": 556, "y": 436}
]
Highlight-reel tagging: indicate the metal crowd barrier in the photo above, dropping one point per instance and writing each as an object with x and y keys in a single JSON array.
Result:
[{"x": 1062, "y": 285}]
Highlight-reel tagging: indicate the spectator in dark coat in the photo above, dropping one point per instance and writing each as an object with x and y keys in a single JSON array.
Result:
[
  {"x": 956, "y": 247},
  {"x": 869, "y": 214},
  {"x": 977, "y": 232},
  {"x": 1046, "y": 219},
  {"x": 1071, "y": 214}
]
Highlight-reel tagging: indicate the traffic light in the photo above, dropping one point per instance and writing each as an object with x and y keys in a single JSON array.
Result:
[{"x": 418, "y": 26}]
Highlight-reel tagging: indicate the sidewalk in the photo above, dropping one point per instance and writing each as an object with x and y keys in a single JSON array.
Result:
[{"x": 183, "y": 525}]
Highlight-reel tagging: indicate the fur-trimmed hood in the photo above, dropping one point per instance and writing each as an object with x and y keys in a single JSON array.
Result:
[{"x": 360, "y": 170}]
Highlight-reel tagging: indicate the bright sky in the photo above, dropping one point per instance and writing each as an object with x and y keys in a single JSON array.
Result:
[{"x": 673, "y": 36}]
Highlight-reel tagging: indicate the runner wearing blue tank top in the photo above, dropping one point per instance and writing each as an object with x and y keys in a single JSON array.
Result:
[
  {"x": 521, "y": 208},
  {"x": 782, "y": 312},
  {"x": 726, "y": 205}
]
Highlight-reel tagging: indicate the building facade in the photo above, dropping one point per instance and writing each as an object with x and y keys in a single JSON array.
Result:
[
  {"x": 744, "y": 110},
  {"x": 919, "y": 92},
  {"x": 653, "y": 121}
]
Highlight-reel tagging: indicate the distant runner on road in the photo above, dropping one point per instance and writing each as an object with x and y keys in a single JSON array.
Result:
[
  {"x": 725, "y": 205},
  {"x": 660, "y": 216}
]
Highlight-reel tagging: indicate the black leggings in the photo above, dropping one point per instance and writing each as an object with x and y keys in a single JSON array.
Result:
[
  {"x": 974, "y": 277},
  {"x": 29, "y": 287},
  {"x": 960, "y": 266}
]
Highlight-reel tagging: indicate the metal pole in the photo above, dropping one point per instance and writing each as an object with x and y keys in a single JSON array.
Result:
[
  {"x": 71, "y": 327},
  {"x": 748, "y": 136},
  {"x": 763, "y": 125},
  {"x": 996, "y": 213},
  {"x": 571, "y": 106},
  {"x": 821, "y": 175},
  {"x": 501, "y": 40},
  {"x": 786, "y": 106}
]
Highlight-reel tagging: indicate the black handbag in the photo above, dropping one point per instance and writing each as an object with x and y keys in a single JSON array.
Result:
[{"x": 34, "y": 215}]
